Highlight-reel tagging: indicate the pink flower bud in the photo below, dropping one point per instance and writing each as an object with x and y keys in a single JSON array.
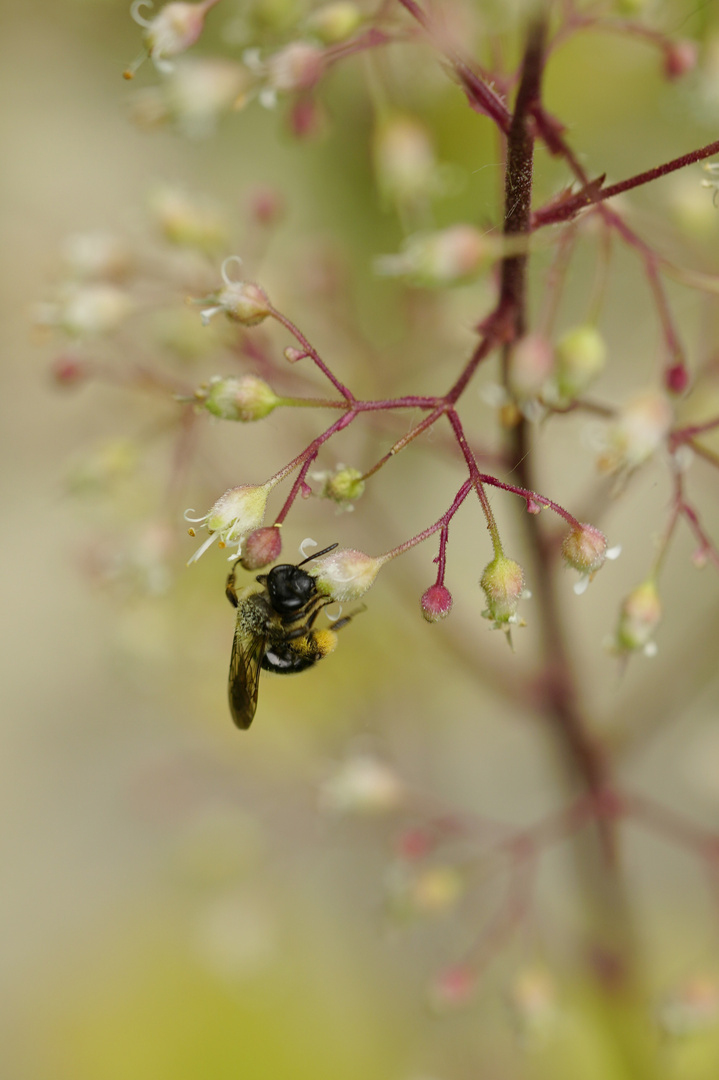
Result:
[
  {"x": 436, "y": 603},
  {"x": 680, "y": 58},
  {"x": 261, "y": 547},
  {"x": 453, "y": 987},
  {"x": 531, "y": 365},
  {"x": 676, "y": 378},
  {"x": 299, "y": 66},
  {"x": 68, "y": 370}
]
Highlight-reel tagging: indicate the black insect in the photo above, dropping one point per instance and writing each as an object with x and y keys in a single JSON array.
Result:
[{"x": 275, "y": 631}]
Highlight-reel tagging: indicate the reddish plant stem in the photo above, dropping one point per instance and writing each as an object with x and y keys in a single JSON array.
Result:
[
  {"x": 590, "y": 195},
  {"x": 559, "y": 698},
  {"x": 480, "y": 94}
]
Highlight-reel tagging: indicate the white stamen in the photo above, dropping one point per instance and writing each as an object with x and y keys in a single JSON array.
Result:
[
  {"x": 196, "y": 521},
  {"x": 334, "y": 618},
  {"x": 614, "y": 552},
  {"x": 223, "y": 270},
  {"x": 267, "y": 97},
  {"x": 202, "y": 548},
  {"x": 307, "y": 542},
  {"x": 135, "y": 13},
  {"x": 207, "y": 314},
  {"x": 582, "y": 585}
]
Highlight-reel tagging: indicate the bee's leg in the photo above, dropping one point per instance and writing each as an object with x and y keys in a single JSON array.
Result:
[
  {"x": 339, "y": 623},
  {"x": 230, "y": 591}
]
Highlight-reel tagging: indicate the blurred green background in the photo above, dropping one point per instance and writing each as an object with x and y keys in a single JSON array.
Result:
[{"x": 175, "y": 901}]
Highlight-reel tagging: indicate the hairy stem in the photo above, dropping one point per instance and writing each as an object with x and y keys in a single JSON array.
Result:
[{"x": 557, "y": 689}]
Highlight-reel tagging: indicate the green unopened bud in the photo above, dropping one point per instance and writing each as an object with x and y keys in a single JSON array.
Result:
[
  {"x": 503, "y": 584},
  {"x": 345, "y": 574},
  {"x": 580, "y": 358},
  {"x": 343, "y": 486},
  {"x": 243, "y": 398},
  {"x": 188, "y": 222},
  {"x": 404, "y": 158},
  {"x": 638, "y": 618},
  {"x": 334, "y": 22},
  {"x": 585, "y": 549}
]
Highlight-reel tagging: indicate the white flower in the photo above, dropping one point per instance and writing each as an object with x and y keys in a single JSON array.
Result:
[{"x": 237, "y": 513}]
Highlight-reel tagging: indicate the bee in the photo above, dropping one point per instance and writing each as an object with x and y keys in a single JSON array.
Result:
[{"x": 275, "y": 631}]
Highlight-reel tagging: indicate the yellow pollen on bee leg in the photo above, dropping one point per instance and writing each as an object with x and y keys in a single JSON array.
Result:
[{"x": 326, "y": 641}]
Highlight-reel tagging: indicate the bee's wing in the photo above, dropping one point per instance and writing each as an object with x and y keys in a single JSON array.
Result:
[{"x": 244, "y": 680}]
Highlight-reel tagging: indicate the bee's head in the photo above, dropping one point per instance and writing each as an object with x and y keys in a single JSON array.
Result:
[{"x": 289, "y": 587}]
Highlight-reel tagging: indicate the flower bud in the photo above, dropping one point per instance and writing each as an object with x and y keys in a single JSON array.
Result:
[
  {"x": 343, "y": 486},
  {"x": 334, "y": 22},
  {"x": 298, "y": 66},
  {"x": 531, "y": 366},
  {"x": 68, "y": 370},
  {"x": 266, "y": 206},
  {"x": 238, "y": 512},
  {"x": 436, "y": 603},
  {"x": 88, "y": 310},
  {"x": 440, "y": 258},
  {"x": 503, "y": 584},
  {"x": 261, "y": 547},
  {"x": 580, "y": 356},
  {"x": 680, "y": 58},
  {"x": 197, "y": 92},
  {"x": 533, "y": 1000},
  {"x": 241, "y": 302},
  {"x": 640, "y": 429},
  {"x": 676, "y": 378},
  {"x": 187, "y": 222},
  {"x": 453, "y": 987},
  {"x": 404, "y": 159},
  {"x": 639, "y": 616},
  {"x": 362, "y": 785},
  {"x": 585, "y": 549},
  {"x": 691, "y": 1007},
  {"x": 96, "y": 256},
  {"x": 243, "y": 398},
  {"x": 345, "y": 574}
]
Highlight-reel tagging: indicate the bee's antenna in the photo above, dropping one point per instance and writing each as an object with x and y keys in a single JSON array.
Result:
[{"x": 317, "y": 554}]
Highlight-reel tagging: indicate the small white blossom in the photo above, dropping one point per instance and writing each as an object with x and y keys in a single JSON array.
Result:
[{"x": 237, "y": 513}]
